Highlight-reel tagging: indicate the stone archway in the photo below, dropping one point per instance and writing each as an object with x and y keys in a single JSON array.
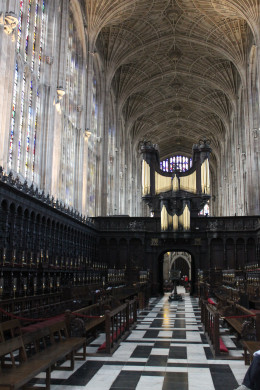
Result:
[{"x": 173, "y": 259}]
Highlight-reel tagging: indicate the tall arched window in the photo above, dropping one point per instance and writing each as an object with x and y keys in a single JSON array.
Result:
[
  {"x": 25, "y": 123},
  {"x": 111, "y": 161},
  {"x": 92, "y": 144},
  {"x": 71, "y": 115},
  {"x": 174, "y": 163}
]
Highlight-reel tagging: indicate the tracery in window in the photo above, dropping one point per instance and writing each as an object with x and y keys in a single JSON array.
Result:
[
  {"x": 71, "y": 116},
  {"x": 25, "y": 110},
  {"x": 110, "y": 168},
  {"x": 19, "y": 28},
  {"x": 92, "y": 151},
  {"x": 176, "y": 163}
]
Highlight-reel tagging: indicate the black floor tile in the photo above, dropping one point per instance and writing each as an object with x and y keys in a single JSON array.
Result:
[
  {"x": 151, "y": 334},
  {"x": 178, "y": 353},
  {"x": 83, "y": 375},
  {"x": 156, "y": 323},
  {"x": 179, "y": 334},
  {"x": 182, "y": 315},
  {"x": 208, "y": 353},
  {"x": 142, "y": 351},
  {"x": 181, "y": 323},
  {"x": 223, "y": 377},
  {"x": 162, "y": 344},
  {"x": 175, "y": 381},
  {"x": 134, "y": 364},
  {"x": 157, "y": 360},
  {"x": 126, "y": 380},
  {"x": 203, "y": 338}
]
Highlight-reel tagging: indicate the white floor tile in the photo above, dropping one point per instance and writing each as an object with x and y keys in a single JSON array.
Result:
[{"x": 150, "y": 383}]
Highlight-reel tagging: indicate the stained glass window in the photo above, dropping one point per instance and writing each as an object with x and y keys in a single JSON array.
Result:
[
  {"x": 13, "y": 114},
  {"x": 28, "y": 22},
  {"x": 19, "y": 27},
  {"x": 111, "y": 167},
  {"x": 25, "y": 123},
  {"x": 92, "y": 151},
  {"x": 174, "y": 163},
  {"x": 71, "y": 116}
]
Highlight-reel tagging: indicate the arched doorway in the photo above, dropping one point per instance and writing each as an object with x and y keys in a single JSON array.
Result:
[{"x": 173, "y": 261}]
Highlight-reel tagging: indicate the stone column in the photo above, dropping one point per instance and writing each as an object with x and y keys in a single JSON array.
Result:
[
  {"x": 59, "y": 75},
  {"x": 104, "y": 153},
  {"x": 85, "y": 173}
]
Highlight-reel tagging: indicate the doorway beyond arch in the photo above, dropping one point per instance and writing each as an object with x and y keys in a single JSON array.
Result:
[{"x": 177, "y": 260}]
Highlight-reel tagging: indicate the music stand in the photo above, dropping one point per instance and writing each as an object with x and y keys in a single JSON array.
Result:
[{"x": 175, "y": 277}]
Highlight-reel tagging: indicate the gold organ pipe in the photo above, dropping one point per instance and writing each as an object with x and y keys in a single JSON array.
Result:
[
  {"x": 146, "y": 184},
  {"x": 175, "y": 222},
  {"x": 184, "y": 218},
  {"x": 208, "y": 179},
  {"x": 162, "y": 183},
  {"x": 164, "y": 219},
  {"x": 205, "y": 181},
  {"x": 181, "y": 219},
  {"x": 175, "y": 184},
  {"x": 188, "y": 183},
  {"x": 170, "y": 220}
]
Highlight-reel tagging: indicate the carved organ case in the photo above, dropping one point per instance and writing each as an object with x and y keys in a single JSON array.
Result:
[{"x": 176, "y": 196}]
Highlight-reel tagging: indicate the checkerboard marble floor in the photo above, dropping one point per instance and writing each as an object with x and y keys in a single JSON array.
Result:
[{"x": 167, "y": 350}]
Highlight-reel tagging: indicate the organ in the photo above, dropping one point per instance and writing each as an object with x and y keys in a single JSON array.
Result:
[{"x": 176, "y": 196}]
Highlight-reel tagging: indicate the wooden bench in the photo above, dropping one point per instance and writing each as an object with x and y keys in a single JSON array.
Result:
[
  {"x": 66, "y": 345},
  {"x": 41, "y": 350},
  {"x": 250, "y": 347},
  {"x": 59, "y": 338},
  {"x": 236, "y": 324},
  {"x": 210, "y": 323},
  {"x": 117, "y": 325},
  {"x": 89, "y": 319},
  {"x": 9, "y": 329},
  {"x": 17, "y": 372},
  {"x": 245, "y": 322}
]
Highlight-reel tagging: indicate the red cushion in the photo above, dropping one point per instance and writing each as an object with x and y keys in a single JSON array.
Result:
[
  {"x": 102, "y": 347},
  {"x": 222, "y": 346},
  {"x": 115, "y": 334},
  {"x": 43, "y": 324}
]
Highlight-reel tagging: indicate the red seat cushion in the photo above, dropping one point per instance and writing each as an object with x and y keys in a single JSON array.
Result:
[
  {"x": 222, "y": 346},
  {"x": 115, "y": 334},
  {"x": 43, "y": 324}
]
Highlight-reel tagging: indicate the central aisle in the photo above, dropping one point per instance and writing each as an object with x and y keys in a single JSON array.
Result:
[{"x": 166, "y": 351}]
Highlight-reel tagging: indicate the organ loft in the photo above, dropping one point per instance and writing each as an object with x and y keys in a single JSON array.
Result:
[{"x": 130, "y": 150}]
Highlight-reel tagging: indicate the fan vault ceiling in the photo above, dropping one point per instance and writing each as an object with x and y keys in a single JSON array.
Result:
[{"x": 175, "y": 66}]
